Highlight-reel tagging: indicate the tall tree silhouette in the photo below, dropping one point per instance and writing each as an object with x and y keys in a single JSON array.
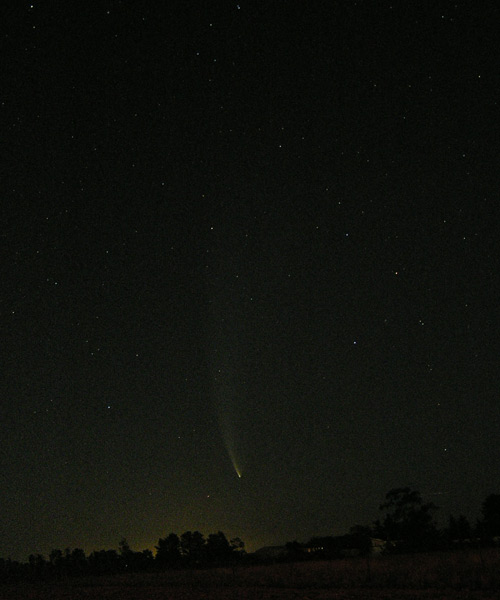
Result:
[
  {"x": 490, "y": 510},
  {"x": 459, "y": 529},
  {"x": 105, "y": 562},
  {"x": 168, "y": 551},
  {"x": 408, "y": 523},
  {"x": 218, "y": 548},
  {"x": 193, "y": 547}
]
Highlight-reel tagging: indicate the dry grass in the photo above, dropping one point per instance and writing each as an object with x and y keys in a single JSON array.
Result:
[
  {"x": 465, "y": 575},
  {"x": 467, "y": 569}
]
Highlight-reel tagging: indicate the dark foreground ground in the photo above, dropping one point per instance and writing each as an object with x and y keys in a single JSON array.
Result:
[
  {"x": 120, "y": 592},
  {"x": 466, "y": 575}
]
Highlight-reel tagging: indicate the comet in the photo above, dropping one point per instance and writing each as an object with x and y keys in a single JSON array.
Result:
[
  {"x": 238, "y": 472},
  {"x": 226, "y": 352},
  {"x": 230, "y": 447}
]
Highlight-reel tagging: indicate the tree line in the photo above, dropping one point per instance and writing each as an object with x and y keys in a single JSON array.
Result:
[
  {"x": 191, "y": 549},
  {"x": 406, "y": 525}
]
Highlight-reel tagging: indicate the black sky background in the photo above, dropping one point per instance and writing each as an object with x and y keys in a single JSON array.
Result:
[{"x": 279, "y": 220}]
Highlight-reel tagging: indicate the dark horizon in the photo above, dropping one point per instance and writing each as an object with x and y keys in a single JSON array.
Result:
[
  {"x": 249, "y": 239},
  {"x": 483, "y": 528}
]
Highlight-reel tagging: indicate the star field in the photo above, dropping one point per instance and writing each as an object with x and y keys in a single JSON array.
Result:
[{"x": 256, "y": 239}]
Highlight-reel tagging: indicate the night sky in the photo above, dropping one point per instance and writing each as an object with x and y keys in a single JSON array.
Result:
[{"x": 256, "y": 240}]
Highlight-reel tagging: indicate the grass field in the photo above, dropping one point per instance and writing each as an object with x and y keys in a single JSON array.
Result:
[{"x": 466, "y": 575}]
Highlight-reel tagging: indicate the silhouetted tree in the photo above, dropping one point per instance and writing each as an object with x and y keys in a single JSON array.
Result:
[
  {"x": 135, "y": 561},
  {"x": 143, "y": 561},
  {"x": 60, "y": 564},
  {"x": 11, "y": 571},
  {"x": 38, "y": 566},
  {"x": 361, "y": 538},
  {"x": 458, "y": 530},
  {"x": 237, "y": 546},
  {"x": 126, "y": 555},
  {"x": 168, "y": 551},
  {"x": 56, "y": 561},
  {"x": 217, "y": 547},
  {"x": 76, "y": 562},
  {"x": 490, "y": 523},
  {"x": 408, "y": 523},
  {"x": 105, "y": 562},
  {"x": 193, "y": 547}
]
